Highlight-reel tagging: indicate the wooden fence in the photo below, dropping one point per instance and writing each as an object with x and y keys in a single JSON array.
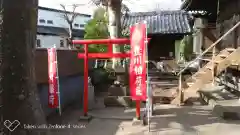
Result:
[{"x": 68, "y": 64}]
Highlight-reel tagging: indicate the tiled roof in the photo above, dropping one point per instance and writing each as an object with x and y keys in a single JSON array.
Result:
[
  {"x": 58, "y": 31},
  {"x": 162, "y": 22}
]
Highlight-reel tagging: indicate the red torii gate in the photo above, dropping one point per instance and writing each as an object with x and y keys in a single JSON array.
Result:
[{"x": 109, "y": 54}]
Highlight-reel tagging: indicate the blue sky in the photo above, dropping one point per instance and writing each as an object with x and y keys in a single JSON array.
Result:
[{"x": 134, "y": 5}]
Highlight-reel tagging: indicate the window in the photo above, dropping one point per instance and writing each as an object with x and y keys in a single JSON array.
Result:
[
  {"x": 49, "y": 21},
  {"x": 82, "y": 25},
  {"x": 42, "y": 21},
  {"x": 38, "y": 43},
  {"x": 61, "y": 43},
  {"x": 76, "y": 25}
]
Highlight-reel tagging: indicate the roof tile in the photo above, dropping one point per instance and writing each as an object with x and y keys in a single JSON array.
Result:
[{"x": 164, "y": 22}]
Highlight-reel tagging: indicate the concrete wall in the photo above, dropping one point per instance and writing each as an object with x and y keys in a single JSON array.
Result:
[
  {"x": 71, "y": 91},
  {"x": 70, "y": 75},
  {"x": 48, "y": 41}
]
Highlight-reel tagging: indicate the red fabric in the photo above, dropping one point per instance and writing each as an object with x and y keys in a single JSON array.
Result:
[
  {"x": 137, "y": 62},
  {"x": 52, "y": 79}
]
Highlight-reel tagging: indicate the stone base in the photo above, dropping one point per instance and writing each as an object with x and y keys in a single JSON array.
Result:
[
  {"x": 117, "y": 91},
  {"x": 137, "y": 122},
  {"x": 85, "y": 118}
]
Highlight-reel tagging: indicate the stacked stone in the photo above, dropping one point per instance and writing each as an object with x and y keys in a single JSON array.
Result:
[{"x": 119, "y": 93}]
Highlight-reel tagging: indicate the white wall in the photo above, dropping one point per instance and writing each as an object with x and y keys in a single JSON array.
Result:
[
  {"x": 58, "y": 20},
  {"x": 48, "y": 41}
]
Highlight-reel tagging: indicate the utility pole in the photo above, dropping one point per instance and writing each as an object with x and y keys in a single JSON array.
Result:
[{"x": 21, "y": 104}]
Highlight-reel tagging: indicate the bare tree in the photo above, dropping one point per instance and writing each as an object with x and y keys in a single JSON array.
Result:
[
  {"x": 17, "y": 71},
  {"x": 69, "y": 17}
]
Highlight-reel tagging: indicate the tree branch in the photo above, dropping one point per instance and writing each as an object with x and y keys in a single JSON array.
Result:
[
  {"x": 65, "y": 15},
  {"x": 74, "y": 14}
]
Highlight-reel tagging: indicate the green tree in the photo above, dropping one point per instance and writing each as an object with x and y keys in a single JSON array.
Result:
[
  {"x": 115, "y": 10},
  {"x": 96, "y": 28},
  {"x": 186, "y": 47}
]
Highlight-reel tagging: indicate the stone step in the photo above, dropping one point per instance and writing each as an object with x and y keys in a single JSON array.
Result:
[
  {"x": 118, "y": 91},
  {"x": 228, "y": 86},
  {"x": 162, "y": 100},
  {"x": 118, "y": 101},
  {"x": 164, "y": 77},
  {"x": 224, "y": 104},
  {"x": 228, "y": 109},
  {"x": 164, "y": 95}
]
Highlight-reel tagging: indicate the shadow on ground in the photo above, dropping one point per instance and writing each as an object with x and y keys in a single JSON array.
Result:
[
  {"x": 189, "y": 121},
  {"x": 167, "y": 119}
]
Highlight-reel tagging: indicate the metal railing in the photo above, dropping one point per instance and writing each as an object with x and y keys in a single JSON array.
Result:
[{"x": 213, "y": 46}]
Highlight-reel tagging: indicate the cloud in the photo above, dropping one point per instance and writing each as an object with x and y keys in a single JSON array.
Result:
[
  {"x": 83, "y": 7},
  {"x": 134, "y": 5}
]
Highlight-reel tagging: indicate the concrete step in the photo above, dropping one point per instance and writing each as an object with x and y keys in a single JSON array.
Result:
[
  {"x": 224, "y": 104},
  {"x": 228, "y": 109}
]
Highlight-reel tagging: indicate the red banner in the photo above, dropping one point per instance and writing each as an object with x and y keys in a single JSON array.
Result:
[
  {"x": 137, "y": 62},
  {"x": 52, "y": 79}
]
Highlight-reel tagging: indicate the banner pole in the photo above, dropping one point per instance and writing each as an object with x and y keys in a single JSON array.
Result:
[
  {"x": 59, "y": 98},
  {"x": 85, "y": 89},
  {"x": 147, "y": 83},
  {"x": 138, "y": 104}
]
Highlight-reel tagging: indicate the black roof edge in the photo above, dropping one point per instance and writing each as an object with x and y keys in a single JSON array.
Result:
[
  {"x": 76, "y": 32},
  {"x": 61, "y": 11}
]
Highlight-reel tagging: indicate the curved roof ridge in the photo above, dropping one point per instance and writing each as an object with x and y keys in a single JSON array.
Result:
[{"x": 152, "y": 13}]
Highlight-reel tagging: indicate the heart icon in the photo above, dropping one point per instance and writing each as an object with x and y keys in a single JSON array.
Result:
[{"x": 11, "y": 126}]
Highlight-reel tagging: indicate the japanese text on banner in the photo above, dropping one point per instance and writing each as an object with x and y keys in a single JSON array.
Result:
[
  {"x": 137, "y": 62},
  {"x": 52, "y": 79}
]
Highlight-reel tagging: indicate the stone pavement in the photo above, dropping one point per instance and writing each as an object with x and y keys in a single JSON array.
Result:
[{"x": 168, "y": 120}]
